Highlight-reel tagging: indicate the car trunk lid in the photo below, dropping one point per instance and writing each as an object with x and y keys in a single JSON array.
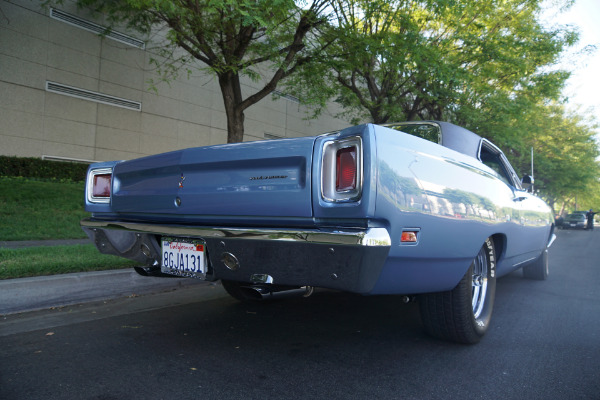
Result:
[{"x": 243, "y": 179}]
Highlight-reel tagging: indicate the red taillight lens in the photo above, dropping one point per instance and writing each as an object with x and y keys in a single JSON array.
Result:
[
  {"x": 342, "y": 170},
  {"x": 409, "y": 237},
  {"x": 101, "y": 187},
  {"x": 346, "y": 169}
]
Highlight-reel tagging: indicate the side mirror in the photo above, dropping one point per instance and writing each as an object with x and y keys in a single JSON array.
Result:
[{"x": 527, "y": 182}]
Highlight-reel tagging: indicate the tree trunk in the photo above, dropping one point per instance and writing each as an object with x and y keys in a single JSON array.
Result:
[
  {"x": 235, "y": 125},
  {"x": 562, "y": 208},
  {"x": 232, "y": 100},
  {"x": 377, "y": 117}
]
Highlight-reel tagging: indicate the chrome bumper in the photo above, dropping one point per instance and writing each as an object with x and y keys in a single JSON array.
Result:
[{"x": 349, "y": 260}]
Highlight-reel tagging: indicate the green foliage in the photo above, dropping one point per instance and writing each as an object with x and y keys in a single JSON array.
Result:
[
  {"x": 588, "y": 198},
  {"x": 405, "y": 60},
  {"x": 38, "y": 261},
  {"x": 31, "y": 209},
  {"x": 44, "y": 169},
  {"x": 565, "y": 152}
]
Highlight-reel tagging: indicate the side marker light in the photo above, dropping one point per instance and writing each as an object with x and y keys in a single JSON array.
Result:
[{"x": 408, "y": 237}]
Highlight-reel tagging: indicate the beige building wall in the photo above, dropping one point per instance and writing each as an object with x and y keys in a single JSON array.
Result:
[{"x": 36, "y": 49}]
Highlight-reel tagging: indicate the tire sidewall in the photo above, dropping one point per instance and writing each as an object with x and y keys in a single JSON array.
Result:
[
  {"x": 481, "y": 324},
  {"x": 545, "y": 264},
  {"x": 539, "y": 269}
]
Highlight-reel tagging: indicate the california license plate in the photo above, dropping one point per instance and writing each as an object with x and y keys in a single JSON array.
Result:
[{"x": 183, "y": 257}]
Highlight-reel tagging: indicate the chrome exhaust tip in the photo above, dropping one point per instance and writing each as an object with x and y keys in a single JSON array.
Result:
[{"x": 267, "y": 292}]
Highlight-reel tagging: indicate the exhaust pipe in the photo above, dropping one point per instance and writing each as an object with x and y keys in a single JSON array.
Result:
[{"x": 265, "y": 292}]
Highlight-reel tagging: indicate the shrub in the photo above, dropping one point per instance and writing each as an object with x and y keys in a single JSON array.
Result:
[{"x": 42, "y": 169}]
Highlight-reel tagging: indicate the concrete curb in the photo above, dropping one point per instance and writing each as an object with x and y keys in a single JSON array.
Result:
[{"x": 29, "y": 294}]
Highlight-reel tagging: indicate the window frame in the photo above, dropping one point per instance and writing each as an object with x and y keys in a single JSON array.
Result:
[{"x": 508, "y": 173}]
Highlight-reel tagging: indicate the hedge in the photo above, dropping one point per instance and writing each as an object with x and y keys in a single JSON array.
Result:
[{"x": 42, "y": 169}]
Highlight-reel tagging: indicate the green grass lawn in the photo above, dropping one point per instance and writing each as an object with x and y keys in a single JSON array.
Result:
[
  {"x": 36, "y": 210},
  {"x": 51, "y": 260}
]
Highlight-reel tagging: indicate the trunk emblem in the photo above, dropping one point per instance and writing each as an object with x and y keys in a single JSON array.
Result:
[
  {"x": 262, "y": 178},
  {"x": 181, "y": 180}
]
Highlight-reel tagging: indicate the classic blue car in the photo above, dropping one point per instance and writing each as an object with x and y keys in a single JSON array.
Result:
[{"x": 423, "y": 209}]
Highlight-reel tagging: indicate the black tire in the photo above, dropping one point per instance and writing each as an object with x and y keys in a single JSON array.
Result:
[
  {"x": 538, "y": 269},
  {"x": 240, "y": 291},
  {"x": 454, "y": 315}
]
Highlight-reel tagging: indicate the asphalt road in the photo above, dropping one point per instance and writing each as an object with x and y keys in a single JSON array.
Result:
[{"x": 197, "y": 343}]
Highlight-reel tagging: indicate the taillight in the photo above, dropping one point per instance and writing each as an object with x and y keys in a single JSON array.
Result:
[
  {"x": 346, "y": 169},
  {"x": 99, "y": 184},
  {"x": 341, "y": 170}
]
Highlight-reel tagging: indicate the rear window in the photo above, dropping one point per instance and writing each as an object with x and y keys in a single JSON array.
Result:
[{"x": 431, "y": 132}]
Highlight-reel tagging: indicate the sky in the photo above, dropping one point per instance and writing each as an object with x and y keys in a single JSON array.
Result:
[{"x": 583, "y": 88}]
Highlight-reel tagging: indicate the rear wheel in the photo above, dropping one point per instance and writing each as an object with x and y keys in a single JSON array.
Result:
[
  {"x": 538, "y": 269},
  {"x": 463, "y": 314}
]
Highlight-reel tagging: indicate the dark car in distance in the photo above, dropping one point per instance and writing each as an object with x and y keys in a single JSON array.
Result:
[{"x": 576, "y": 220}]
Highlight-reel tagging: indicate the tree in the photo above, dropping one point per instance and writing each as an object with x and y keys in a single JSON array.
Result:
[
  {"x": 487, "y": 66},
  {"x": 564, "y": 146},
  {"x": 264, "y": 40},
  {"x": 565, "y": 152},
  {"x": 428, "y": 59}
]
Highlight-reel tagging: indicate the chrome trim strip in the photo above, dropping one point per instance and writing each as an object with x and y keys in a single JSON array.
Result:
[
  {"x": 371, "y": 237},
  {"x": 89, "y": 187},
  {"x": 328, "y": 170},
  {"x": 552, "y": 239},
  {"x": 524, "y": 262}
]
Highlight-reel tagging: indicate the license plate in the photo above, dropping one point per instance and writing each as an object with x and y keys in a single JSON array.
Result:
[
  {"x": 183, "y": 257},
  {"x": 573, "y": 224}
]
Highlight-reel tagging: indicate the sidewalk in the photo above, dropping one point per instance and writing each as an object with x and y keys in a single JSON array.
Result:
[{"x": 29, "y": 294}]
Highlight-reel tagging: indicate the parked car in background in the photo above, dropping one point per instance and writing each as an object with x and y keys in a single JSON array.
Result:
[
  {"x": 420, "y": 209},
  {"x": 575, "y": 220}
]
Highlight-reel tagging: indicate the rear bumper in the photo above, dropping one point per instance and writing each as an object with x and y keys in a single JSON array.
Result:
[
  {"x": 350, "y": 260},
  {"x": 573, "y": 225}
]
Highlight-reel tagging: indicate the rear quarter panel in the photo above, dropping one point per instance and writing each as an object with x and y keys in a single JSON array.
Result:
[{"x": 455, "y": 203}]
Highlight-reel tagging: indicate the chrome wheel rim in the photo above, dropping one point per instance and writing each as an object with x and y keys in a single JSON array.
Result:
[{"x": 480, "y": 282}]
